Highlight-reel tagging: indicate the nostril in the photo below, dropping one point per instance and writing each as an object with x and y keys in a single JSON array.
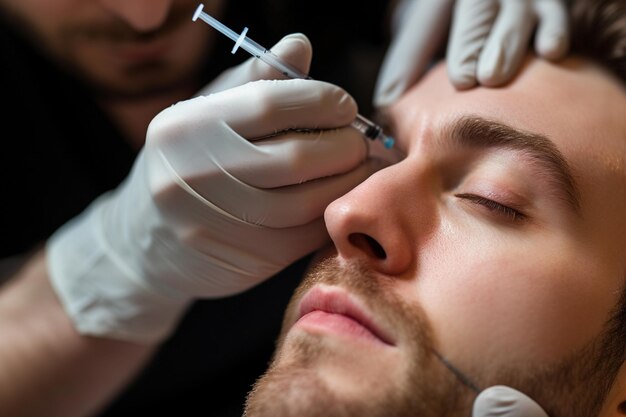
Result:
[{"x": 367, "y": 244}]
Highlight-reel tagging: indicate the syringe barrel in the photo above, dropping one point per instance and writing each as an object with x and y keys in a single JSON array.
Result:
[{"x": 368, "y": 128}]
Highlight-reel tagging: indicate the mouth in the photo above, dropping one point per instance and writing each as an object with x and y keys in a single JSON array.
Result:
[{"x": 325, "y": 309}]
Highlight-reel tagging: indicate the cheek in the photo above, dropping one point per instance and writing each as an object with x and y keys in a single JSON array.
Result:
[
  {"x": 47, "y": 18},
  {"x": 196, "y": 40},
  {"x": 42, "y": 11},
  {"x": 512, "y": 302}
]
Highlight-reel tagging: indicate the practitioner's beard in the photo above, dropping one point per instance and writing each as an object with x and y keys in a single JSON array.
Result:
[{"x": 406, "y": 381}]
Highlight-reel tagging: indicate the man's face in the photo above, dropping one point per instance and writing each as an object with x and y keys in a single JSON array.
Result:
[
  {"x": 125, "y": 47},
  {"x": 497, "y": 245}
]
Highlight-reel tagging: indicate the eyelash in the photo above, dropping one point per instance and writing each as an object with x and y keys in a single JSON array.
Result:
[{"x": 495, "y": 207}]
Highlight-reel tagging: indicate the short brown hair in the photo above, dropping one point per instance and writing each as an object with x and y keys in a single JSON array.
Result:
[{"x": 599, "y": 33}]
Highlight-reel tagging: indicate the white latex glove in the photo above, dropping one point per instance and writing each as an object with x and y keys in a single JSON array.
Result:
[
  {"x": 502, "y": 401},
  {"x": 211, "y": 208},
  {"x": 487, "y": 41}
]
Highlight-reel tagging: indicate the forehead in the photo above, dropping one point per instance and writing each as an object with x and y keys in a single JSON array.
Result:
[{"x": 574, "y": 103}]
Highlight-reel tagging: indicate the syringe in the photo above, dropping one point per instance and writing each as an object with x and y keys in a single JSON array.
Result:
[{"x": 368, "y": 128}]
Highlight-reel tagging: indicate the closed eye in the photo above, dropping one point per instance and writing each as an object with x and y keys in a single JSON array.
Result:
[{"x": 494, "y": 207}]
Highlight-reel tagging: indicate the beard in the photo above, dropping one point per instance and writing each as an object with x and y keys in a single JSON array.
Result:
[
  {"x": 422, "y": 383},
  {"x": 416, "y": 384}
]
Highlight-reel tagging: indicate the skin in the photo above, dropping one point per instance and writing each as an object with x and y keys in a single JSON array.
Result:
[
  {"x": 507, "y": 301},
  {"x": 128, "y": 51}
]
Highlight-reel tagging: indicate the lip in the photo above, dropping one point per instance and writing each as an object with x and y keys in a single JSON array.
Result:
[{"x": 332, "y": 309}]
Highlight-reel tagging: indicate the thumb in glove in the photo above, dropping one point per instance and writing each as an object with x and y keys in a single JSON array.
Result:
[{"x": 502, "y": 401}]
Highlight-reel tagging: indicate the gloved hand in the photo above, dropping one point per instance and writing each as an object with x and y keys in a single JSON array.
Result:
[
  {"x": 216, "y": 202},
  {"x": 487, "y": 41},
  {"x": 502, "y": 401}
]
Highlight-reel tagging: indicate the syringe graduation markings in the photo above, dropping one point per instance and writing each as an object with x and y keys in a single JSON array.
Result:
[{"x": 368, "y": 128}]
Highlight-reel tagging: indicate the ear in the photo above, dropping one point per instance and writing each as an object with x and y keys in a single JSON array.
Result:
[{"x": 615, "y": 403}]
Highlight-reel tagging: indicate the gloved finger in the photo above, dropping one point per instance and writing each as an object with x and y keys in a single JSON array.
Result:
[
  {"x": 276, "y": 208},
  {"x": 295, "y": 49},
  {"x": 471, "y": 24},
  {"x": 294, "y": 157},
  {"x": 412, "y": 49},
  {"x": 297, "y": 241},
  {"x": 284, "y": 206},
  {"x": 266, "y": 254},
  {"x": 265, "y": 107},
  {"x": 507, "y": 43},
  {"x": 255, "y": 110},
  {"x": 552, "y": 39},
  {"x": 503, "y": 401}
]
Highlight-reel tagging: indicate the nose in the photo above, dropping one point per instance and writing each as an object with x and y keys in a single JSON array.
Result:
[
  {"x": 381, "y": 221},
  {"x": 142, "y": 15}
]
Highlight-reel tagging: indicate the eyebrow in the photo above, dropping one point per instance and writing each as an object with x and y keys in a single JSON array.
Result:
[{"x": 477, "y": 132}]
